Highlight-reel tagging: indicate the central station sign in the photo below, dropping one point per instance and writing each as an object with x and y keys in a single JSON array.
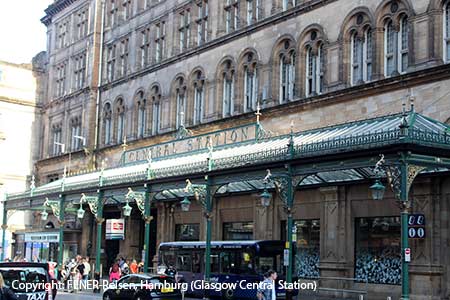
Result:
[{"x": 193, "y": 143}]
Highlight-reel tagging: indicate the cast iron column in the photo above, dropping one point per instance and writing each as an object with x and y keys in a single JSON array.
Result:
[
  {"x": 289, "y": 203},
  {"x": 404, "y": 228},
  {"x": 4, "y": 227},
  {"x": 99, "y": 220},
  {"x": 62, "y": 198},
  {"x": 208, "y": 208},
  {"x": 147, "y": 219}
]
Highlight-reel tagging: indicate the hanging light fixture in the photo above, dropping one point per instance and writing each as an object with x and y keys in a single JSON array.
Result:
[
  {"x": 127, "y": 210},
  {"x": 185, "y": 204},
  {"x": 44, "y": 215},
  {"x": 266, "y": 197},
  {"x": 80, "y": 212},
  {"x": 378, "y": 190}
]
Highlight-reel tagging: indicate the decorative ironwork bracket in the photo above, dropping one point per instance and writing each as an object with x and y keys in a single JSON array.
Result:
[
  {"x": 139, "y": 198},
  {"x": 199, "y": 191},
  {"x": 92, "y": 201},
  {"x": 54, "y": 205},
  {"x": 285, "y": 185}
]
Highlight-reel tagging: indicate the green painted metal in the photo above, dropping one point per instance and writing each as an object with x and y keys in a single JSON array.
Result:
[
  {"x": 208, "y": 208},
  {"x": 4, "y": 227},
  {"x": 147, "y": 219},
  {"x": 62, "y": 198},
  {"x": 404, "y": 227},
  {"x": 100, "y": 220}
]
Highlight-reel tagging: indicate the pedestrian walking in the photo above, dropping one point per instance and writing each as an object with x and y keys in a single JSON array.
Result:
[
  {"x": 87, "y": 269},
  {"x": 266, "y": 290}
]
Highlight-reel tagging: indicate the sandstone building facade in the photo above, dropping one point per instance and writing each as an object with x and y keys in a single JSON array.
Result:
[{"x": 124, "y": 74}]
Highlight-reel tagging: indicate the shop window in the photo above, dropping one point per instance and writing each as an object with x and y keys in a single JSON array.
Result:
[
  {"x": 187, "y": 232},
  {"x": 308, "y": 247},
  {"x": 238, "y": 231},
  {"x": 377, "y": 250}
]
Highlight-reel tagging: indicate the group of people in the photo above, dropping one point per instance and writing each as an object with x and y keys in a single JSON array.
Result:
[
  {"x": 122, "y": 267},
  {"x": 77, "y": 270}
]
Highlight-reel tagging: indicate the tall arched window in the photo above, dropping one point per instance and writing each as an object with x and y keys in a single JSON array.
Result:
[
  {"x": 107, "y": 113},
  {"x": 287, "y": 58},
  {"x": 199, "y": 97},
  {"x": 141, "y": 114},
  {"x": 120, "y": 120},
  {"x": 396, "y": 47},
  {"x": 361, "y": 57},
  {"x": 314, "y": 70},
  {"x": 446, "y": 32},
  {"x": 389, "y": 48},
  {"x": 250, "y": 82},
  {"x": 228, "y": 75},
  {"x": 156, "y": 126},
  {"x": 403, "y": 45},
  {"x": 156, "y": 109},
  {"x": 180, "y": 96}
]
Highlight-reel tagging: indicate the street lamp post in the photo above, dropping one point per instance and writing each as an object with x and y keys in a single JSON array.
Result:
[
  {"x": 58, "y": 210},
  {"x": 143, "y": 202},
  {"x": 202, "y": 193},
  {"x": 400, "y": 177},
  {"x": 284, "y": 185}
]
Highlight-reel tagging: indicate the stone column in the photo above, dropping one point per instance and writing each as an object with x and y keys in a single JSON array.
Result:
[
  {"x": 334, "y": 234},
  {"x": 426, "y": 268},
  {"x": 264, "y": 222}
]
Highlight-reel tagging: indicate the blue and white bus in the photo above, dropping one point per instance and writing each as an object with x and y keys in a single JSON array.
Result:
[{"x": 238, "y": 262}]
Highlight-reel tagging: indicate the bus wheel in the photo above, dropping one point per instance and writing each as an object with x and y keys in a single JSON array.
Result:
[{"x": 228, "y": 294}]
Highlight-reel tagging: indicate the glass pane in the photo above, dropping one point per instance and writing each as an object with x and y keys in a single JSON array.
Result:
[
  {"x": 238, "y": 231},
  {"x": 308, "y": 248},
  {"x": 187, "y": 232},
  {"x": 377, "y": 245}
]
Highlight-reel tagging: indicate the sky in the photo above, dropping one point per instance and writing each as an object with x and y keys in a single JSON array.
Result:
[{"x": 22, "y": 35}]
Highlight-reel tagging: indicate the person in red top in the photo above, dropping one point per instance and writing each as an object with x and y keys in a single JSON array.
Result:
[{"x": 134, "y": 267}]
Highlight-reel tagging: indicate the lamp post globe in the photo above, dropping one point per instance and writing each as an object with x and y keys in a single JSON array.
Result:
[
  {"x": 185, "y": 204},
  {"x": 378, "y": 190},
  {"x": 80, "y": 213},
  {"x": 266, "y": 197},
  {"x": 44, "y": 215},
  {"x": 127, "y": 210}
]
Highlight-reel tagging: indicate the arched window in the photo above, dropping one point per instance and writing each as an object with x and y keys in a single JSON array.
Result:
[
  {"x": 446, "y": 32},
  {"x": 107, "y": 112},
  {"x": 228, "y": 75},
  {"x": 361, "y": 57},
  {"x": 180, "y": 96},
  {"x": 287, "y": 59},
  {"x": 396, "y": 47},
  {"x": 75, "y": 134},
  {"x": 156, "y": 109},
  {"x": 199, "y": 97},
  {"x": 141, "y": 114},
  {"x": 250, "y": 82},
  {"x": 403, "y": 45},
  {"x": 389, "y": 48},
  {"x": 314, "y": 70},
  {"x": 120, "y": 120}
]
